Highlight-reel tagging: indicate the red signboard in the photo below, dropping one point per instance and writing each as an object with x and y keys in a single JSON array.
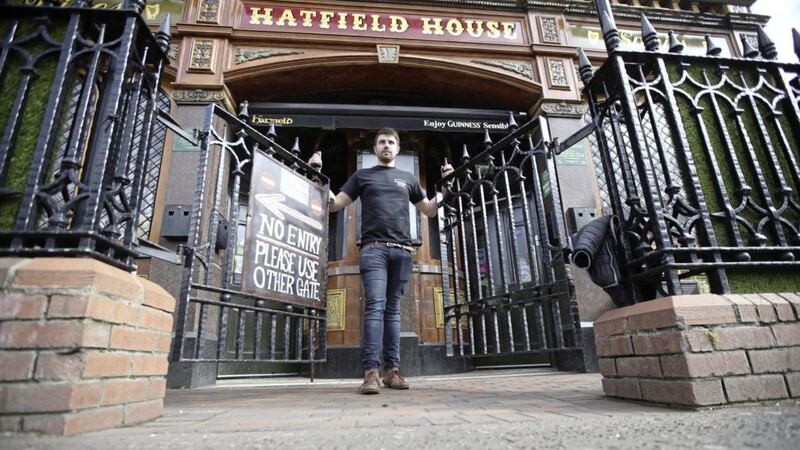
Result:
[{"x": 336, "y": 21}]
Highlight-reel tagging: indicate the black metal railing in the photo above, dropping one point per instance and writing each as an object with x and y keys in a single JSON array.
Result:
[
  {"x": 79, "y": 91},
  {"x": 700, "y": 159},
  {"x": 506, "y": 285},
  {"x": 216, "y": 319}
]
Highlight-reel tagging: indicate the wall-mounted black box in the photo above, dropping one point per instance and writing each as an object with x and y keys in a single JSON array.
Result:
[
  {"x": 175, "y": 225},
  {"x": 577, "y": 218}
]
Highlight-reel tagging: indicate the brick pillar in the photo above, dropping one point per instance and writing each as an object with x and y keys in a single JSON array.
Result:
[
  {"x": 701, "y": 350},
  {"x": 83, "y": 346}
]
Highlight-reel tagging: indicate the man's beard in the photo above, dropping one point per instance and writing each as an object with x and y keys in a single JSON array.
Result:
[{"x": 384, "y": 158}]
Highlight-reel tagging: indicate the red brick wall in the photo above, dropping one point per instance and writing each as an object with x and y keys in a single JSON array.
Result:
[
  {"x": 83, "y": 346},
  {"x": 702, "y": 350}
]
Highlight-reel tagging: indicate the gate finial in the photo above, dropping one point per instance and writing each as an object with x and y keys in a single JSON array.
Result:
[
  {"x": 512, "y": 124},
  {"x": 765, "y": 45},
  {"x": 674, "y": 45},
  {"x": 244, "y": 110},
  {"x": 163, "y": 35},
  {"x": 711, "y": 48},
  {"x": 271, "y": 132},
  {"x": 610, "y": 32},
  {"x": 796, "y": 36},
  {"x": 487, "y": 141},
  {"x": 584, "y": 67},
  {"x": 649, "y": 35},
  {"x": 747, "y": 50},
  {"x": 296, "y": 147},
  {"x": 464, "y": 155}
]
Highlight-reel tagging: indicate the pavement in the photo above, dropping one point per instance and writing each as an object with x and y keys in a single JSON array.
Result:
[{"x": 520, "y": 408}]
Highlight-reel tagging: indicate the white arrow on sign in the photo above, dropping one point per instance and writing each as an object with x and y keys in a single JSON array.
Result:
[{"x": 274, "y": 202}]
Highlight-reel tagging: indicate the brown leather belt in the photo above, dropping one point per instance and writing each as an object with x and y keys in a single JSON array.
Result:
[{"x": 408, "y": 248}]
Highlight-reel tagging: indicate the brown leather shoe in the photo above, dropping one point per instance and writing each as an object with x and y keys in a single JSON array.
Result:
[
  {"x": 393, "y": 380},
  {"x": 370, "y": 386}
]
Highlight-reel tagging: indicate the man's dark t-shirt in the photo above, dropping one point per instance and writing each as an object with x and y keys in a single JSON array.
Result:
[{"x": 385, "y": 193}]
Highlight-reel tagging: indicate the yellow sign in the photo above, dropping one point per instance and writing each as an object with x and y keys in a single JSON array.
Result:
[
  {"x": 438, "y": 307},
  {"x": 337, "y": 302}
]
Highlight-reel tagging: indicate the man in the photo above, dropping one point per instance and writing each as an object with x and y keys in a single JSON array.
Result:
[{"x": 385, "y": 262}]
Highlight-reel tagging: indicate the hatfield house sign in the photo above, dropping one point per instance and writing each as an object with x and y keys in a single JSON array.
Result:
[{"x": 373, "y": 24}]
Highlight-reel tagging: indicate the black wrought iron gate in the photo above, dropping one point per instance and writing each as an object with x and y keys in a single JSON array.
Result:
[
  {"x": 217, "y": 319},
  {"x": 506, "y": 285}
]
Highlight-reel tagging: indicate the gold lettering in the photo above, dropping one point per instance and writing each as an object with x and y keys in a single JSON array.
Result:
[
  {"x": 342, "y": 21},
  {"x": 509, "y": 30},
  {"x": 399, "y": 24},
  {"x": 358, "y": 21},
  {"x": 493, "y": 29},
  {"x": 287, "y": 17},
  {"x": 307, "y": 16},
  {"x": 454, "y": 27},
  {"x": 325, "y": 19},
  {"x": 376, "y": 24},
  {"x": 472, "y": 29},
  {"x": 257, "y": 17},
  {"x": 432, "y": 28}
]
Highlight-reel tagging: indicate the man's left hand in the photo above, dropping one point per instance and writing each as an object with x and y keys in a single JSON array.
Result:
[{"x": 447, "y": 169}]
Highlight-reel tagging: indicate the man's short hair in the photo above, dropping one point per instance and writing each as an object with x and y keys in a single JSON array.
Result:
[{"x": 388, "y": 132}]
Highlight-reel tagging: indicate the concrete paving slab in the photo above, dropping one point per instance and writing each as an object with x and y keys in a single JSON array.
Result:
[{"x": 523, "y": 408}]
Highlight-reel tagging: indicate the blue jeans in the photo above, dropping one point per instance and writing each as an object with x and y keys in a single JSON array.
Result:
[{"x": 384, "y": 272}]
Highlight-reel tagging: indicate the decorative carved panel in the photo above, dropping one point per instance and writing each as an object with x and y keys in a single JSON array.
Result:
[
  {"x": 197, "y": 95},
  {"x": 515, "y": 67},
  {"x": 337, "y": 303},
  {"x": 548, "y": 30},
  {"x": 208, "y": 12},
  {"x": 244, "y": 55},
  {"x": 557, "y": 73},
  {"x": 389, "y": 54},
  {"x": 203, "y": 51},
  {"x": 564, "y": 109}
]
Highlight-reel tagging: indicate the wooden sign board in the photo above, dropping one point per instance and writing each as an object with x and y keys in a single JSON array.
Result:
[{"x": 286, "y": 242}]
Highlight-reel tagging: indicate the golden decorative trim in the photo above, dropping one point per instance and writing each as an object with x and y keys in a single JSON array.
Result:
[{"x": 337, "y": 304}]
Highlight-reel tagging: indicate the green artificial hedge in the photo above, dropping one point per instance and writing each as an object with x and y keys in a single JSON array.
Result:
[
  {"x": 752, "y": 280},
  {"x": 36, "y": 98}
]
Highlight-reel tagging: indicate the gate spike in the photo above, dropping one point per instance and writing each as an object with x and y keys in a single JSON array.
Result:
[
  {"x": 244, "y": 110},
  {"x": 747, "y": 50},
  {"x": 464, "y": 155},
  {"x": 674, "y": 45},
  {"x": 296, "y": 147},
  {"x": 163, "y": 35},
  {"x": 271, "y": 132},
  {"x": 512, "y": 124},
  {"x": 487, "y": 141},
  {"x": 584, "y": 67},
  {"x": 136, "y": 5},
  {"x": 765, "y": 45},
  {"x": 796, "y": 38},
  {"x": 711, "y": 48},
  {"x": 610, "y": 32},
  {"x": 649, "y": 35}
]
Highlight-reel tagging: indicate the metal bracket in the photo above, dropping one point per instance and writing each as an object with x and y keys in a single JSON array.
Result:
[{"x": 583, "y": 133}]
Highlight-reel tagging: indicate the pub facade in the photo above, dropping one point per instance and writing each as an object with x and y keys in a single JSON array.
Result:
[{"x": 324, "y": 75}]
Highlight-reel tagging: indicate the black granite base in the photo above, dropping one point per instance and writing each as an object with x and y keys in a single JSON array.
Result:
[{"x": 190, "y": 375}]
